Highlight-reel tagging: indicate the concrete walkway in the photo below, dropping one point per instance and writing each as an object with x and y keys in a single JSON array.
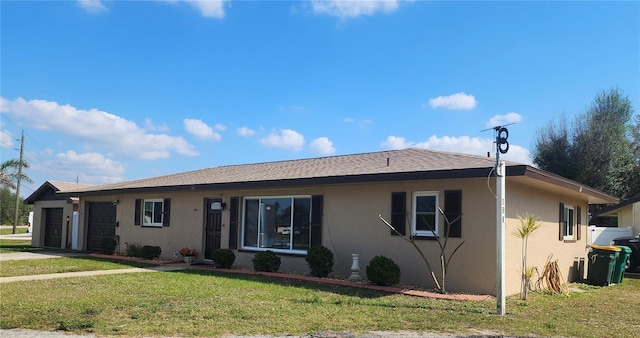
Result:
[
  {"x": 87, "y": 273},
  {"x": 52, "y": 255}
]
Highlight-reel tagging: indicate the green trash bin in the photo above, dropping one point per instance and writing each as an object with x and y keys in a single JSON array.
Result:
[
  {"x": 601, "y": 265},
  {"x": 621, "y": 263}
]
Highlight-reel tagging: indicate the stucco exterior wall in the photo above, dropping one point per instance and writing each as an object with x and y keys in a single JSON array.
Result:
[
  {"x": 351, "y": 225},
  {"x": 630, "y": 217},
  {"x": 38, "y": 227}
]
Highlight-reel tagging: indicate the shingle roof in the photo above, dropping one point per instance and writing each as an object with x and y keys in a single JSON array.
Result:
[
  {"x": 56, "y": 187},
  {"x": 383, "y": 162},
  {"x": 392, "y": 165}
]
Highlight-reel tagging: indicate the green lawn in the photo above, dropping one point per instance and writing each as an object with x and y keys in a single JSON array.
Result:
[
  {"x": 10, "y": 245},
  {"x": 59, "y": 265},
  {"x": 21, "y": 230},
  {"x": 198, "y": 303}
]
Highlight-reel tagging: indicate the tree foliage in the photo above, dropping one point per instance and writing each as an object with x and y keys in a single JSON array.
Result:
[
  {"x": 600, "y": 147},
  {"x": 8, "y": 205},
  {"x": 9, "y": 172}
]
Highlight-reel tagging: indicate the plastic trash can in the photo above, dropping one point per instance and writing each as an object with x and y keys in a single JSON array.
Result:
[
  {"x": 601, "y": 265},
  {"x": 621, "y": 263}
]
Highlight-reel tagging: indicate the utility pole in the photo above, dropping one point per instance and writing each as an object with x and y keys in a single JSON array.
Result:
[
  {"x": 501, "y": 140},
  {"x": 15, "y": 218}
]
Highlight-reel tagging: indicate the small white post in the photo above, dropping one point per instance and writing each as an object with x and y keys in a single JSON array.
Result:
[
  {"x": 500, "y": 228},
  {"x": 355, "y": 268}
]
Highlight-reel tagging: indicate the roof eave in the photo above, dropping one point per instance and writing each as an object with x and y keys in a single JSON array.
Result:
[{"x": 594, "y": 196}]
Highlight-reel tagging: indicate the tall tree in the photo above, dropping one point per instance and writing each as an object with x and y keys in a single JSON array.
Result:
[
  {"x": 598, "y": 149},
  {"x": 9, "y": 173}
]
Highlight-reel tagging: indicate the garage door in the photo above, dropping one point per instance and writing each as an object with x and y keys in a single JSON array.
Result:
[
  {"x": 101, "y": 223},
  {"x": 53, "y": 227}
]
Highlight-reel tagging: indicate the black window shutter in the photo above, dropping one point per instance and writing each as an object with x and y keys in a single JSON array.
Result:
[
  {"x": 452, "y": 210},
  {"x": 166, "y": 212},
  {"x": 316, "y": 220},
  {"x": 233, "y": 222},
  {"x": 561, "y": 223},
  {"x": 398, "y": 212},
  {"x": 138, "y": 212},
  {"x": 579, "y": 219}
]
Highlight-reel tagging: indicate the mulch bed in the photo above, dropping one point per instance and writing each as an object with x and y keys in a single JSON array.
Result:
[{"x": 328, "y": 281}]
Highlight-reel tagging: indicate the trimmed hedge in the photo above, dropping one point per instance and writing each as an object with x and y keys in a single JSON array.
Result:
[
  {"x": 223, "y": 258},
  {"x": 320, "y": 260},
  {"x": 107, "y": 245},
  {"x": 266, "y": 261},
  {"x": 383, "y": 271}
]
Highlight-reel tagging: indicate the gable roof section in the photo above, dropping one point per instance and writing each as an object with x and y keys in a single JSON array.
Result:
[
  {"x": 615, "y": 208},
  {"x": 49, "y": 188},
  {"x": 392, "y": 165}
]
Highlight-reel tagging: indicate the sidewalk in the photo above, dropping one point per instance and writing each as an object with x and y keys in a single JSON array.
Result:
[{"x": 88, "y": 273}]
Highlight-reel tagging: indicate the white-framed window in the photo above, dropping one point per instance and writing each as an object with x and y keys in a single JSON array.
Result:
[
  {"x": 424, "y": 218},
  {"x": 569, "y": 222},
  {"x": 152, "y": 214},
  {"x": 280, "y": 224}
]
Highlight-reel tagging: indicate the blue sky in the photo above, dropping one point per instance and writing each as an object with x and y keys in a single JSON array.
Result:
[{"x": 117, "y": 90}]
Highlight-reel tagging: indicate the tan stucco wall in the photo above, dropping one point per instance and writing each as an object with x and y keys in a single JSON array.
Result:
[
  {"x": 38, "y": 227},
  {"x": 351, "y": 225},
  {"x": 630, "y": 217}
]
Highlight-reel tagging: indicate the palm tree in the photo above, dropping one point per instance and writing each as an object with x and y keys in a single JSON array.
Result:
[
  {"x": 9, "y": 173},
  {"x": 528, "y": 224}
]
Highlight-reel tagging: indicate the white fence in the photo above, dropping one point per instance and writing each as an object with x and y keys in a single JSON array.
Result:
[{"x": 604, "y": 236}]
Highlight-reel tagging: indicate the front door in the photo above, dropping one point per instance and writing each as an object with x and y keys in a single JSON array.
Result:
[
  {"x": 213, "y": 226},
  {"x": 53, "y": 227}
]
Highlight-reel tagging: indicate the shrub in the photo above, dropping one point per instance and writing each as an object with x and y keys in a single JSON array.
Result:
[
  {"x": 320, "y": 260},
  {"x": 150, "y": 252},
  {"x": 266, "y": 261},
  {"x": 223, "y": 258},
  {"x": 383, "y": 271},
  {"x": 107, "y": 245},
  {"x": 133, "y": 249}
]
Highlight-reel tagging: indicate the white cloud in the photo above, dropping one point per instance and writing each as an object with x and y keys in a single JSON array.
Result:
[
  {"x": 220, "y": 127},
  {"x": 6, "y": 139},
  {"x": 501, "y": 120},
  {"x": 92, "y": 6},
  {"x": 92, "y": 168},
  {"x": 288, "y": 139},
  {"x": 149, "y": 125},
  {"x": 244, "y": 131},
  {"x": 207, "y": 8},
  {"x": 200, "y": 130},
  {"x": 348, "y": 120},
  {"x": 322, "y": 146},
  {"x": 351, "y": 9},
  {"x": 95, "y": 128},
  {"x": 462, "y": 144},
  {"x": 458, "y": 101}
]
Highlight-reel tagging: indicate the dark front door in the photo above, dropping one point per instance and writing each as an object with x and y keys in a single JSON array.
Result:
[
  {"x": 213, "y": 226},
  {"x": 101, "y": 223},
  {"x": 53, "y": 227}
]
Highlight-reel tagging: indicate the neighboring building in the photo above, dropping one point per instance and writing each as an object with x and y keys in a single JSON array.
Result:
[
  {"x": 627, "y": 213},
  {"x": 52, "y": 214},
  {"x": 289, "y": 206}
]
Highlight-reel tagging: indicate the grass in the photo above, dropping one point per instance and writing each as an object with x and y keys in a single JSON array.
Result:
[
  {"x": 200, "y": 303},
  {"x": 10, "y": 245},
  {"x": 19, "y": 230},
  {"x": 60, "y": 265}
]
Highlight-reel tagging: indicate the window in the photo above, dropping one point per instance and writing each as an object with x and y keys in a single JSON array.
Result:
[
  {"x": 569, "y": 217},
  {"x": 152, "y": 212},
  {"x": 424, "y": 220},
  {"x": 277, "y": 223}
]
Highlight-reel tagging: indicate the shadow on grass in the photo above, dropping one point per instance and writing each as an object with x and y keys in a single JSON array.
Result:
[{"x": 315, "y": 286}]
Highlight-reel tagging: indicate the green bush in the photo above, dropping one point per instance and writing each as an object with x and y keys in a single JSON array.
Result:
[
  {"x": 266, "y": 261},
  {"x": 320, "y": 260},
  {"x": 150, "y": 252},
  {"x": 223, "y": 258},
  {"x": 133, "y": 249},
  {"x": 107, "y": 245},
  {"x": 383, "y": 271}
]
